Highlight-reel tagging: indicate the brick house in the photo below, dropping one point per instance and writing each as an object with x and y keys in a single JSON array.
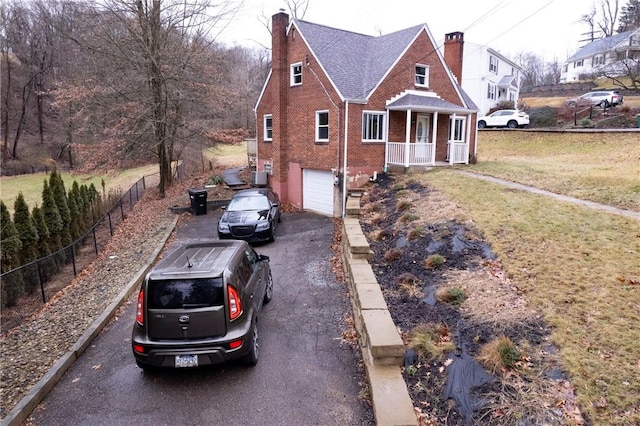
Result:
[{"x": 337, "y": 101}]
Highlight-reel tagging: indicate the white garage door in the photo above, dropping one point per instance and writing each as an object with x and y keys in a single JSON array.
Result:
[{"x": 317, "y": 191}]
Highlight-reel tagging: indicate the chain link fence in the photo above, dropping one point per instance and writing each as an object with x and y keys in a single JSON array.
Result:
[{"x": 42, "y": 278}]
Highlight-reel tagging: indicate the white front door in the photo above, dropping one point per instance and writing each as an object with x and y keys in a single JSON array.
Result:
[
  {"x": 422, "y": 138},
  {"x": 422, "y": 128}
]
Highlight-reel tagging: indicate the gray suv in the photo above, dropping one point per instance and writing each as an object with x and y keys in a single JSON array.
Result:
[{"x": 200, "y": 306}]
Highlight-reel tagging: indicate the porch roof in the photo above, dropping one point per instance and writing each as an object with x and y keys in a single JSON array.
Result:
[{"x": 423, "y": 103}]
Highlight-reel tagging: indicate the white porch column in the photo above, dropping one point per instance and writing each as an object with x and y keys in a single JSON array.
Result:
[
  {"x": 452, "y": 122},
  {"x": 467, "y": 139},
  {"x": 386, "y": 141},
  {"x": 407, "y": 139},
  {"x": 434, "y": 134}
]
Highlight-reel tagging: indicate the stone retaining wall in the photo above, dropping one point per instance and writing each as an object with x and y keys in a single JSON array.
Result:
[{"x": 380, "y": 341}]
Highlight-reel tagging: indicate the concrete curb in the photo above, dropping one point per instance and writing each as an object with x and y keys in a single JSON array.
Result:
[
  {"x": 380, "y": 342},
  {"x": 31, "y": 400}
]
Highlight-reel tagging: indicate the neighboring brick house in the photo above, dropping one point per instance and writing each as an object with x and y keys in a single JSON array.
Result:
[
  {"x": 614, "y": 56},
  {"x": 489, "y": 77},
  {"x": 336, "y": 100}
]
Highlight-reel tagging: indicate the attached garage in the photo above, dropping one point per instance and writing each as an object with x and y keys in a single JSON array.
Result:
[{"x": 317, "y": 191}]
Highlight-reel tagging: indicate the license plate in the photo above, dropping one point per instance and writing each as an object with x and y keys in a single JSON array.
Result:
[{"x": 183, "y": 361}]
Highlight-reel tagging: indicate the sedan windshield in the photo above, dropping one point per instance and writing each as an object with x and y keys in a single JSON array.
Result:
[{"x": 239, "y": 204}]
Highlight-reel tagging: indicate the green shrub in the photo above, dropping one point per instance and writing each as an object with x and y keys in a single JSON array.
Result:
[
  {"x": 415, "y": 233},
  {"x": 215, "y": 180},
  {"x": 434, "y": 261},
  {"x": 451, "y": 295},
  {"x": 543, "y": 117}
]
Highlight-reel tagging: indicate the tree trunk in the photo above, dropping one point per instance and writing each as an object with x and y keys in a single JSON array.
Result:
[
  {"x": 7, "y": 105},
  {"x": 26, "y": 95}
]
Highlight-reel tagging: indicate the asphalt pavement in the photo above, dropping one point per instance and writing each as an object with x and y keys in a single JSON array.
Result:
[{"x": 306, "y": 373}]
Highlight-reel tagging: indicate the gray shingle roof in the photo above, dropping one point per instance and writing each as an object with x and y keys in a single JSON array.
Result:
[
  {"x": 425, "y": 103},
  {"x": 601, "y": 46},
  {"x": 341, "y": 52}
]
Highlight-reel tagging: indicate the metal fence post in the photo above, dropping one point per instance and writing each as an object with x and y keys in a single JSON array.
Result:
[
  {"x": 44, "y": 297},
  {"x": 73, "y": 260},
  {"x": 95, "y": 241},
  {"x": 110, "y": 225}
]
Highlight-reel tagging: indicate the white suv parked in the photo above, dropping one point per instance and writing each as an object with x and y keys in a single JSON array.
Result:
[{"x": 602, "y": 98}]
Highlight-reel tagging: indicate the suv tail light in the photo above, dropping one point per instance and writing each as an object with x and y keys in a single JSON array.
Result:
[
  {"x": 235, "y": 306},
  {"x": 140, "y": 308}
]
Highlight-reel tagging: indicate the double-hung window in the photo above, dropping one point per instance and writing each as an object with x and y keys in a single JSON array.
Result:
[
  {"x": 422, "y": 75},
  {"x": 491, "y": 91},
  {"x": 296, "y": 74},
  {"x": 322, "y": 126},
  {"x": 373, "y": 126},
  {"x": 493, "y": 64},
  {"x": 268, "y": 127}
]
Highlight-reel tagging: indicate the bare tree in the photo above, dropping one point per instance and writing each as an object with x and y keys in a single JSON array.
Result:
[
  {"x": 152, "y": 86},
  {"x": 297, "y": 8},
  {"x": 609, "y": 15},
  {"x": 601, "y": 19}
]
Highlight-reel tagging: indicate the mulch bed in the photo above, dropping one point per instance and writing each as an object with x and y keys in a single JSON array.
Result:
[{"x": 406, "y": 223}]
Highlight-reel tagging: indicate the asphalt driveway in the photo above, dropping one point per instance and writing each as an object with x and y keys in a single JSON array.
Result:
[{"x": 306, "y": 374}]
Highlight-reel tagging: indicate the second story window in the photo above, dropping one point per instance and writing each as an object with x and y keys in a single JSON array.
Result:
[
  {"x": 578, "y": 64},
  {"x": 296, "y": 74},
  {"x": 322, "y": 126},
  {"x": 422, "y": 75},
  {"x": 268, "y": 127},
  {"x": 493, "y": 64}
]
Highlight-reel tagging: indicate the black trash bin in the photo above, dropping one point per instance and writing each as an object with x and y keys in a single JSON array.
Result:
[{"x": 198, "y": 201}]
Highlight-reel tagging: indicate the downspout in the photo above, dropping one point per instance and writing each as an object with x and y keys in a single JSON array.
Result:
[{"x": 344, "y": 159}]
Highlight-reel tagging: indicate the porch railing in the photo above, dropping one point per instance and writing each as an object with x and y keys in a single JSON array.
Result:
[
  {"x": 420, "y": 154},
  {"x": 458, "y": 152}
]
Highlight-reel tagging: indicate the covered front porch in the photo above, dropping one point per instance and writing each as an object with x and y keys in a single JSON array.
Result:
[{"x": 425, "y": 130}]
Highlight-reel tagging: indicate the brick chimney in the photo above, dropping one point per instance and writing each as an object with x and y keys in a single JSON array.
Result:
[
  {"x": 453, "y": 51},
  {"x": 280, "y": 74}
]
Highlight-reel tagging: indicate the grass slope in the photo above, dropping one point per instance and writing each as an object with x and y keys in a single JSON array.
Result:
[
  {"x": 579, "y": 267},
  {"x": 599, "y": 167}
]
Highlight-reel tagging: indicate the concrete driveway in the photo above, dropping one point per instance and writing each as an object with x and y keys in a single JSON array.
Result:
[{"x": 306, "y": 373}]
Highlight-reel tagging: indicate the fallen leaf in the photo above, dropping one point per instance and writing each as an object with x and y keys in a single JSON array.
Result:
[{"x": 96, "y": 367}]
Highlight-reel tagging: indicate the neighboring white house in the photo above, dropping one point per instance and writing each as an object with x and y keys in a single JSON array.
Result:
[
  {"x": 606, "y": 55},
  {"x": 489, "y": 77}
]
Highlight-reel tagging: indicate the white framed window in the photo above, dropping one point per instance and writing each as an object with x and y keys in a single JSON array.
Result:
[
  {"x": 491, "y": 91},
  {"x": 296, "y": 74},
  {"x": 457, "y": 127},
  {"x": 373, "y": 129},
  {"x": 578, "y": 64},
  {"x": 422, "y": 75},
  {"x": 493, "y": 64},
  {"x": 268, "y": 127},
  {"x": 598, "y": 60},
  {"x": 322, "y": 126}
]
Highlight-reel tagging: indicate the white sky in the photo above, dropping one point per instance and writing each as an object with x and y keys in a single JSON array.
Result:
[{"x": 548, "y": 28}]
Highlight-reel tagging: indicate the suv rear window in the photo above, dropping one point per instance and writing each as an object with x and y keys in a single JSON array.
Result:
[{"x": 185, "y": 293}]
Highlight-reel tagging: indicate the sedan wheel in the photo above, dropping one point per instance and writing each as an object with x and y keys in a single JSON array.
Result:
[
  {"x": 252, "y": 357},
  {"x": 481, "y": 124},
  {"x": 512, "y": 124},
  {"x": 268, "y": 292}
]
